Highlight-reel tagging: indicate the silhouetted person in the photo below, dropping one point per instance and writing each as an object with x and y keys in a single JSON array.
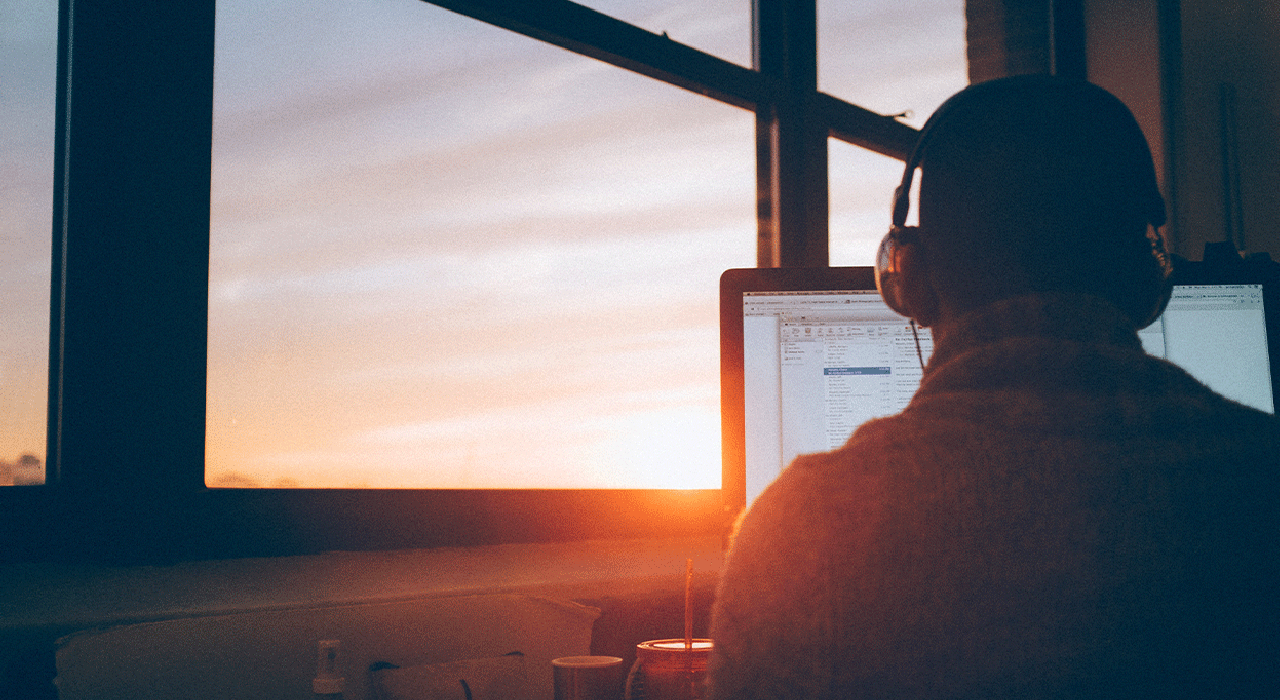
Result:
[{"x": 1056, "y": 514}]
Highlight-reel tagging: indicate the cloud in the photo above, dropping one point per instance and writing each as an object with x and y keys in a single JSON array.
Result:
[
  {"x": 631, "y": 168},
  {"x": 893, "y": 57}
]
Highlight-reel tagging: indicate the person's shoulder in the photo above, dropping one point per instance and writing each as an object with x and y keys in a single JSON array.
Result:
[
  {"x": 861, "y": 458},
  {"x": 1187, "y": 404},
  {"x": 818, "y": 489},
  {"x": 1239, "y": 431}
]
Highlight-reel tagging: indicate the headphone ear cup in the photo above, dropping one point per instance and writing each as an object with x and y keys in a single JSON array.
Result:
[
  {"x": 888, "y": 272},
  {"x": 1161, "y": 302},
  {"x": 1159, "y": 285}
]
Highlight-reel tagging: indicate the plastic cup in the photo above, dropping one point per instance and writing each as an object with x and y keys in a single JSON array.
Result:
[{"x": 588, "y": 677}]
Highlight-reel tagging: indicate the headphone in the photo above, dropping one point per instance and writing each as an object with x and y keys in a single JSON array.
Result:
[
  {"x": 888, "y": 275},
  {"x": 888, "y": 279}
]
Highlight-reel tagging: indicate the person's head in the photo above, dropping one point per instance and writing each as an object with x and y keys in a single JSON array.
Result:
[{"x": 1029, "y": 184}]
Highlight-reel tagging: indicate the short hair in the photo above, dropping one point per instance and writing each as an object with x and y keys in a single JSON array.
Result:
[{"x": 1040, "y": 183}]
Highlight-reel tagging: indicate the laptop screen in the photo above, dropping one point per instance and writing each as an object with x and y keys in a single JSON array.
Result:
[
  {"x": 816, "y": 366},
  {"x": 809, "y": 355}
]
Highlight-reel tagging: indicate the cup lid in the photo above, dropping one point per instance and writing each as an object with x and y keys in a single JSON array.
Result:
[
  {"x": 586, "y": 661},
  {"x": 676, "y": 645}
]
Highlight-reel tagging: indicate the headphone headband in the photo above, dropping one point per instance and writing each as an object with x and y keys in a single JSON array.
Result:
[{"x": 1156, "y": 214}]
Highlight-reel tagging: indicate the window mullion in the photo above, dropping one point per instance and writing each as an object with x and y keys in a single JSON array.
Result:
[
  {"x": 131, "y": 231},
  {"x": 791, "y": 149}
]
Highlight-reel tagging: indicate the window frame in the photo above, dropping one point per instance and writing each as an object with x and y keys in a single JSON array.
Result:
[{"x": 127, "y": 367}]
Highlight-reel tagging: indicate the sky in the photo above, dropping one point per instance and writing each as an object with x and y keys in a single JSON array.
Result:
[
  {"x": 28, "y": 70},
  {"x": 447, "y": 255}
]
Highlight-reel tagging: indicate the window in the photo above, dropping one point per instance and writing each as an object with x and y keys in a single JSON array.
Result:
[
  {"x": 445, "y": 255},
  {"x": 861, "y": 184},
  {"x": 28, "y": 50},
  {"x": 135, "y": 123},
  {"x": 721, "y": 28},
  {"x": 907, "y": 59},
  {"x": 892, "y": 57}
]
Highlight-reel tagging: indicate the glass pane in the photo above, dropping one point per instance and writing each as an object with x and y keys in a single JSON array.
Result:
[
  {"x": 862, "y": 184},
  {"x": 721, "y": 28},
  {"x": 892, "y": 57},
  {"x": 28, "y": 52},
  {"x": 447, "y": 255}
]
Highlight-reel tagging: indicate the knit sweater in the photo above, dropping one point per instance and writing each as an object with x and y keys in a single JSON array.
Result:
[{"x": 1056, "y": 514}]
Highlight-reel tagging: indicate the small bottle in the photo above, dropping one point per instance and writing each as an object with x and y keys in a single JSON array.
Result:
[{"x": 328, "y": 682}]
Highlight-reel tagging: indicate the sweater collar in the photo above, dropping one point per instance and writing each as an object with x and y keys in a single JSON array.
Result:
[{"x": 1081, "y": 318}]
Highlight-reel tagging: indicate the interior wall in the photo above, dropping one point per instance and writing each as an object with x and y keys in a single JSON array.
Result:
[
  {"x": 1218, "y": 153},
  {"x": 1006, "y": 37},
  {"x": 1123, "y": 56},
  {"x": 1203, "y": 79},
  {"x": 1229, "y": 47}
]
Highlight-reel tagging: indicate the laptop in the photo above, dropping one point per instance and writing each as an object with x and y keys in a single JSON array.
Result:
[{"x": 809, "y": 354}]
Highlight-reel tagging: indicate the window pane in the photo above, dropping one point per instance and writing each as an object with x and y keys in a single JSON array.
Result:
[
  {"x": 447, "y": 255},
  {"x": 862, "y": 184},
  {"x": 721, "y": 28},
  {"x": 28, "y": 52},
  {"x": 892, "y": 56}
]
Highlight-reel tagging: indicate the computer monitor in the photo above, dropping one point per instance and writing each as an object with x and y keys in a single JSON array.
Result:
[
  {"x": 1218, "y": 333},
  {"x": 808, "y": 355}
]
